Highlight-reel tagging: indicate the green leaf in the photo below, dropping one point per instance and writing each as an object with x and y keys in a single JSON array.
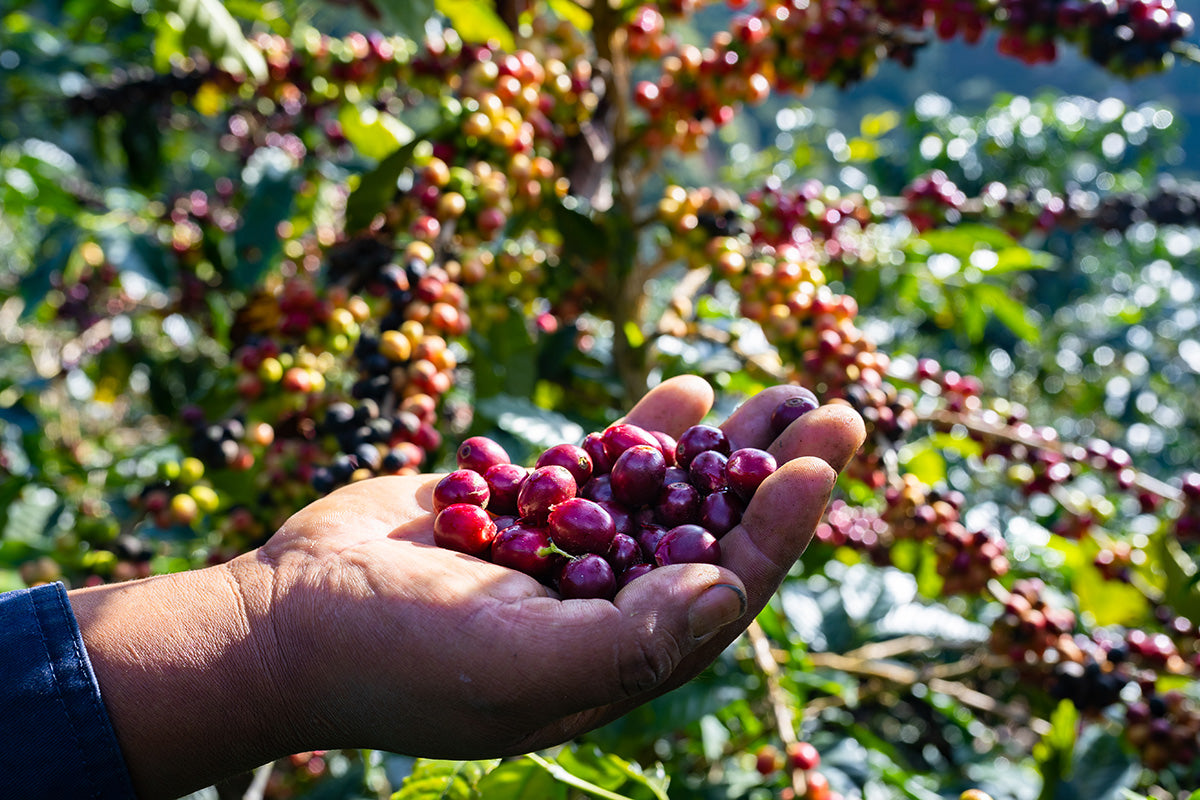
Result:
[
  {"x": 573, "y": 13},
  {"x": 256, "y": 242},
  {"x": 1055, "y": 752},
  {"x": 377, "y": 188},
  {"x": 520, "y": 780},
  {"x": 207, "y": 25},
  {"x": 406, "y": 17},
  {"x": 1016, "y": 259},
  {"x": 444, "y": 780},
  {"x": 608, "y": 771},
  {"x": 581, "y": 235},
  {"x": 1008, "y": 310},
  {"x": 375, "y": 134},
  {"x": 52, "y": 256},
  {"x": 1109, "y": 769},
  {"x": 967, "y": 237},
  {"x": 1109, "y": 602},
  {"x": 476, "y": 21},
  {"x": 924, "y": 460},
  {"x": 1182, "y": 590}
]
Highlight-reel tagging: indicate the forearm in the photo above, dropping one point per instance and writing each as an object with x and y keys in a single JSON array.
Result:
[{"x": 184, "y": 675}]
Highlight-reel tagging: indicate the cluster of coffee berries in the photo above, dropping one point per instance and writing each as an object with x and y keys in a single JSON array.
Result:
[
  {"x": 933, "y": 200},
  {"x": 1030, "y": 627},
  {"x": 589, "y": 518},
  {"x": 1164, "y": 728},
  {"x": 813, "y": 211},
  {"x": 799, "y": 762},
  {"x": 967, "y": 559}
]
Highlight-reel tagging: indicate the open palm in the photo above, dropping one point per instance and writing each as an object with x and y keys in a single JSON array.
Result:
[{"x": 400, "y": 645}]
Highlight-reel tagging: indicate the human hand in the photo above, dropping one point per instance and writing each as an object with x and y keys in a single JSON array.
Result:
[
  {"x": 399, "y": 645},
  {"x": 349, "y": 628}
]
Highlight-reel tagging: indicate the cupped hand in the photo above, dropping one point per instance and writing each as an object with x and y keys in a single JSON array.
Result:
[{"x": 383, "y": 640}]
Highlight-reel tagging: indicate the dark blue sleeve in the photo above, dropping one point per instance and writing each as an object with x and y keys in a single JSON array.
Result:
[{"x": 57, "y": 741}]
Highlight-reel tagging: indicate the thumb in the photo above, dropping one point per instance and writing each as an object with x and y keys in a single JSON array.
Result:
[{"x": 606, "y": 653}]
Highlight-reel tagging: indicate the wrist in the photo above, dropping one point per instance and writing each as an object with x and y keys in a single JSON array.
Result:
[{"x": 185, "y": 668}]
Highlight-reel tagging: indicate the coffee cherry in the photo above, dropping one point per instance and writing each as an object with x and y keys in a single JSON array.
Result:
[
  {"x": 818, "y": 787},
  {"x": 648, "y": 537},
  {"x": 593, "y": 445},
  {"x": 588, "y": 576},
  {"x": 598, "y": 489},
  {"x": 767, "y": 760},
  {"x": 803, "y": 756},
  {"x": 687, "y": 544},
  {"x": 544, "y": 488},
  {"x": 678, "y": 503},
  {"x": 465, "y": 528},
  {"x": 637, "y": 475},
  {"x": 634, "y": 572},
  {"x": 622, "y": 436},
  {"x": 707, "y": 472},
  {"x": 479, "y": 453},
  {"x": 746, "y": 469},
  {"x": 623, "y": 553},
  {"x": 460, "y": 486},
  {"x": 792, "y": 409},
  {"x": 720, "y": 512},
  {"x": 574, "y": 459},
  {"x": 504, "y": 484},
  {"x": 697, "y": 439},
  {"x": 526, "y": 548},
  {"x": 581, "y": 526}
]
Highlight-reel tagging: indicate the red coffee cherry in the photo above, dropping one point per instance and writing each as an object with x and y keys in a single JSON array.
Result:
[
  {"x": 575, "y": 459},
  {"x": 687, "y": 544},
  {"x": 696, "y": 440},
  {"x": 637, "y": 475},
  {"x": 580, "y": 526},
  {"x": 588, "y": 576},
  {"x": 461, "y": 486},
  {"x": 526, "y": 548},
  {"x": 792, "y": 409},
  {"x": 465, "y": 528},
  {"x": 479, "y": 453},
  {"x": 544, "y": 488}
]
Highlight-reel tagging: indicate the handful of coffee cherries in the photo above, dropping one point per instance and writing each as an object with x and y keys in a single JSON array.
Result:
[{"x": 587, "y": 519}]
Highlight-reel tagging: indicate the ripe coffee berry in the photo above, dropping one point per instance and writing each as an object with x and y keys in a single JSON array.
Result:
[
  {"x": 637, "y": 475},
  {"x": 504, "y": 484},
  {"x": 623, "y": 553},
  {"x": 580, "y": 526},
  {"x": 687, "y": 544},
  {"x": 526, "y": 548},
  {"x": 746, "y": 469},
  {"x": 697, "y": 439},
  {"x": 707, "y": 471},
  {"x": 465, "y": 528},
  {"x": 678, "y": 503},
  {"x": 622, "y": 436},
  {"x": 587, "y": 577},
  {"x": 574, "y": 459},
  {"x": 543, "y": 488},
  {"x": 478, "y": 453},
  {"x": 461, "y": 486},
  {"x": 792, "y": 409},
  {"x": 720, "y": 512},
  {"x": 802, "y": 755}
]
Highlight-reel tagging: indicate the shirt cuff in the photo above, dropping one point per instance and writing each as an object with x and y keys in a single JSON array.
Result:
[{"x": 59, "y": 741}]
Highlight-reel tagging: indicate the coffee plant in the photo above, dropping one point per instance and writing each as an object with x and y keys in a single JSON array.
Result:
[{"x": 254, "y": 252}]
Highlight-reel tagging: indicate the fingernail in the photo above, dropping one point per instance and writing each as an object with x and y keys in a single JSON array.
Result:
[{"x": 718, "y": 606}]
